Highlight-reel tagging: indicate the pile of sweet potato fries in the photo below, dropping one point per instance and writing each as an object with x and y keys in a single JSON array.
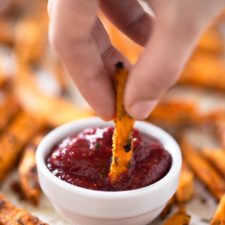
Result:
[{"x": 27, "y": 114}]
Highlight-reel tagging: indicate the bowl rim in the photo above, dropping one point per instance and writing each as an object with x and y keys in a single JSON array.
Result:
[{"x": 66, "y": 129}]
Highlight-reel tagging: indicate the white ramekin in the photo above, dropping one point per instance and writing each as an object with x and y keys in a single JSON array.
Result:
[{"x": 88, "y": 207}]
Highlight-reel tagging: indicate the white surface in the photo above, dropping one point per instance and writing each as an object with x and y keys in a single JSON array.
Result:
[{"x": 89, "y": 207}]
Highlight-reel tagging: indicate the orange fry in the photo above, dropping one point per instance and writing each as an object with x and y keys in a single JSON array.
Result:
[
  {"x": 15, "y": 137},
  {"x": 8, "y": 109},
  {"x": 11, "y": 215},
  {"x": 122, "y": 137},
  {"x": 167, "y": 209},
  {"x": 219, "y": 216},
  {"x": 204, "y": 71},
  {"x": 55, "y": 111},
  {"x": 179, "y": 218},
  {"x": 30, "y": 41},
  {"x": 27, "y": 171},
  {"x": 219, "y": 123},
  {"x": 211, "y": 42},
  {"x": 217, "y": 158},
  {"x": 203, "y": 170},
  {"x": 185, "y": 190},
  {"x": 175, "y": 113}
]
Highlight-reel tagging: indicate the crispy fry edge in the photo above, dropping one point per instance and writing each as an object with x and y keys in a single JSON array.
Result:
[{"x": 122, "y": 137}]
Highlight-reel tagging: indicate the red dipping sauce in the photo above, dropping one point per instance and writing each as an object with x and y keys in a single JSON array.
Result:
[{"x": 84, "y": 160}]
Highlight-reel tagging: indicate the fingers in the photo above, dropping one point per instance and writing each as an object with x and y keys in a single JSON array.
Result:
[
  {"x": 157, "y": 69},
  {"x": 82, "y": 43},
  {"x": 130, "y": 18},
  {"x": 177, "y": 28},
  {"x": 71, "y": 25}
]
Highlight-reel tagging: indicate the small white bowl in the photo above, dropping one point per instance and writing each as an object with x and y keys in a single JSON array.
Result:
[{"x": 89, "y": 207}]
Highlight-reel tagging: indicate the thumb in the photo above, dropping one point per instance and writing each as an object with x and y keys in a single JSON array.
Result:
[{"x": 157, "y": 69}]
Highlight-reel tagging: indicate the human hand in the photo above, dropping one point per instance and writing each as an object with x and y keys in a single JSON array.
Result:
[{"x": 80, "y": 40}]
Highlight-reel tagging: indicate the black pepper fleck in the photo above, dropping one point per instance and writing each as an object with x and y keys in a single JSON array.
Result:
[{"x": 119, "y": 65}]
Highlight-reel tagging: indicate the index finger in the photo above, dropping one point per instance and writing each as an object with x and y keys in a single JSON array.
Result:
[{"x": 71, "y": 26}]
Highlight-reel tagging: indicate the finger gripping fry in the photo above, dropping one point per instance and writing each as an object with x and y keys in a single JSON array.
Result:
[{"x": 123, "y": 132}]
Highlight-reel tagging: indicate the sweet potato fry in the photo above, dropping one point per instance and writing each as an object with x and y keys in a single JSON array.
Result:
[
  {"x": 27, "y": 171},
  {"x": 203, "y": 170},
  {"x": 211, "y": 42},
  {"x": 175, "y": 113},
  {"x": 15, "y": 137},
  {"x": 122, "y": 137},
  {"x": 167, "y": 209},
  {"x": 179, "y": 218},
  {"x": 218, "y": 120},
  {"x": 54, "y": 111},
  {"x": 8, "y": 109},
  {"x": 220, "y": 129},
  {"x": 30, "y": 41},
  {"x": 204, "y": 71},
  {"x": 219, "y": 217},
  {"x": 185, "y": 190},
  {"x": 216, "y": 157},
  {"x": 11, "y": 215}
]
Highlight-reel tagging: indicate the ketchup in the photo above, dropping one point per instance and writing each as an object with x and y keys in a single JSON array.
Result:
[{"x": 84, "y": 160}]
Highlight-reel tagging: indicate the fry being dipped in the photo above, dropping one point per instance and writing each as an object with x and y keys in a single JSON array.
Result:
[
  {"x": 122, "y": 137},
  {"x": 111, "y": 158}
]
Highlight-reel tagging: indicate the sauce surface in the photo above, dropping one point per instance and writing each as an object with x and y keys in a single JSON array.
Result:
[{"x": 84, "y": 160}]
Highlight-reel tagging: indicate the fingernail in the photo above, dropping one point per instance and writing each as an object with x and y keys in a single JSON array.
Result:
[{"x": 141, "y": 110}]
